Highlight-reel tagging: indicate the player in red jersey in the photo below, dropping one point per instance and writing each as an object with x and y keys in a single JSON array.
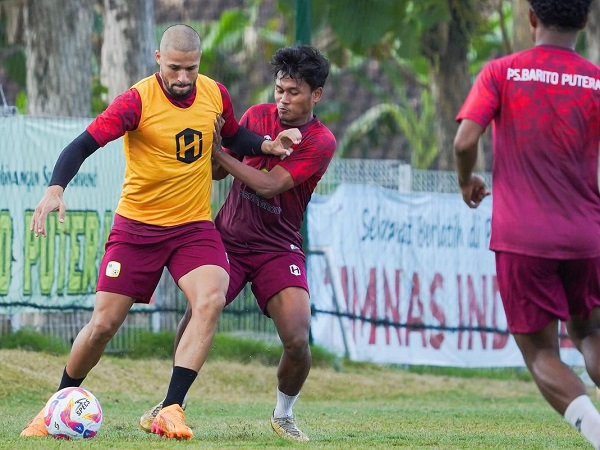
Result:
[
  {"x": 163, "y": 218},
  {"x": 261, "y": 218},
  {"x": 545, "y": 106}
]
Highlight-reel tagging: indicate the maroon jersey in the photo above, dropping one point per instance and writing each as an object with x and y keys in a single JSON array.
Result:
[
  {"x": 248, "y": 222},
  {"x": 545, "y": 106}
]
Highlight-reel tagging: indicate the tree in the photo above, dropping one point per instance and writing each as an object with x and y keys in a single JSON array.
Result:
[
  {"x": 58, "y": 57},
  {"x": 438, "y": 30},
  {"x": 446, "y": 46},
  {"x": 12, "y": 12},
  {"x": 593, "y": 33},
  {"x": 12, "y": 57},
  {"x": 128, "y": 44},
  {"x": 415, "y": 123},
  {"x": 521, "y": 32}
]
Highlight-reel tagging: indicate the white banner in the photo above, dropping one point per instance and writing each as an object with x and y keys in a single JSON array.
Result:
[{"x": 419, "y": 260}]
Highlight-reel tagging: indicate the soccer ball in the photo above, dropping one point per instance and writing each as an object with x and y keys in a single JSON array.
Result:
[{"x": 73, "y": 413}]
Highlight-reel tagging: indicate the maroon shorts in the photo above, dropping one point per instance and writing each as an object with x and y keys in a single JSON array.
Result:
[
  {"x": 269, "y": 274},
  {"x": 136, "y": 255},
  {"x": 535, "y": 291}
]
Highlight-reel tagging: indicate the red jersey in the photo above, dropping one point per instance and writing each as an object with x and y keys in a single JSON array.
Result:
[
  {"x": 248, "y": 222},
  {"x": 545, "y": 106}
]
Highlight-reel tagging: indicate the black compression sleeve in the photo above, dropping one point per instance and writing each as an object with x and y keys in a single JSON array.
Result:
[
  {"x": 71, "y": 158},
  {"x": 244, "y": 142}
]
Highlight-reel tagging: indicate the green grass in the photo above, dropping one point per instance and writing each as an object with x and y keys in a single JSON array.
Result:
[{"x": 360, "y": 406}]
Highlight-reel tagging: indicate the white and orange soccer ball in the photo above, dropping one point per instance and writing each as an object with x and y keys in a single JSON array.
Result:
[{"x": 73, "y": 413}]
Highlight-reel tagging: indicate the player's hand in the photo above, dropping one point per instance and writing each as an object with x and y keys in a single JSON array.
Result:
[
  {"x": 218, "y": 173},
  {"x": 474, "y": 191},
  {"x": 216, "y": 144},
  {"x": 52, "y": 201},
  {"x": 282, "y": 144}
]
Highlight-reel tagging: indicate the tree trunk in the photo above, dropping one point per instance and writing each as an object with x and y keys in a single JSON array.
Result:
[
  {"x": 521, "y": 28},
  {"x": 13, "y": 16},
  {"x": 58, "y": 54},
  {"x": 446, "y": 47},
  {"x": 129, "y": 44},
  {"x": 593, "y": 33}
]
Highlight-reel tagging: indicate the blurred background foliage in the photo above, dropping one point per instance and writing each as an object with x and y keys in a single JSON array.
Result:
[{"x": 400, "y": 68}]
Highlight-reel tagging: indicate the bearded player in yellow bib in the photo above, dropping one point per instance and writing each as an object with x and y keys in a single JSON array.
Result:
[{"x": 163, "y": 218}]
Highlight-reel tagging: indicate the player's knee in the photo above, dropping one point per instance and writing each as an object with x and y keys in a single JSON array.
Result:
[
  {"x": 297, "y": 346},
  {"x": 210, "y": 303},
  {"x": 101, "y": 332}
]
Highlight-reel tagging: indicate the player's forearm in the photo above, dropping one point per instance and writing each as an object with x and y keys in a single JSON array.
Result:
[
  {"x": 244, "y": 143},
  {"x": 218, "y": 172},
  {"x": 251, "y": 177},
  {"x": 71, "y": 159},
  {"x": 465, "y": 163},
  {"x": 466, "y": 145}
]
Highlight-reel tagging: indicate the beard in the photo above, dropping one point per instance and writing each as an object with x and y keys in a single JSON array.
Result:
[{"x": 179, "y": 91}]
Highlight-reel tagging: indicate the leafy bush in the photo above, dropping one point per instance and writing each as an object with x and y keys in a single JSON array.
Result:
[
  {"x": 29, "y": 339},
  {"x": 225, "y": 347},
  {"x": 151, "y": 345},
  {"x": 232, "y": 348},
  {"x": 493, "y": 373},
  {"x": 321, "y": 357},
  {"x": 160, "y": 345}
]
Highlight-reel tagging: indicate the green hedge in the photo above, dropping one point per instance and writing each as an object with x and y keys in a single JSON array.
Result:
[{"x": 160, "y": 345}]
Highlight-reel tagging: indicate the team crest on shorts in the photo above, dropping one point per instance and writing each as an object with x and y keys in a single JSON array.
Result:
[
  {"x": 113, "y": 269},
  {"x": 295, "y": 270}
]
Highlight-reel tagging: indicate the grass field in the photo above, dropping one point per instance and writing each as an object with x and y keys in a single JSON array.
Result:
[{"x": 359, "y": 407}]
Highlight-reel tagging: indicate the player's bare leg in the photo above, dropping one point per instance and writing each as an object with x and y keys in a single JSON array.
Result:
[
  {"x": 290, "y": 311},
  {"x": 205, "y": 289},
  {"x": 585, "y": 334},
  {"x": 148, "y": 417},
  {"x": 557, "y": 382},
  {"x": 206, "y": 295},
  {"x": 110, "y": 310}
]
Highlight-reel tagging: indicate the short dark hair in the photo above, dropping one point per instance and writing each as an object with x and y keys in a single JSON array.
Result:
[
  {"x": 301, "y": 62},
  {"x": 565, "y": 15}
]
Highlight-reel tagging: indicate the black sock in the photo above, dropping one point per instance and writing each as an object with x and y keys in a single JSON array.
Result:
[
  {"x": 181, "y": 380},
  {"x": 67, "y": 381}
]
